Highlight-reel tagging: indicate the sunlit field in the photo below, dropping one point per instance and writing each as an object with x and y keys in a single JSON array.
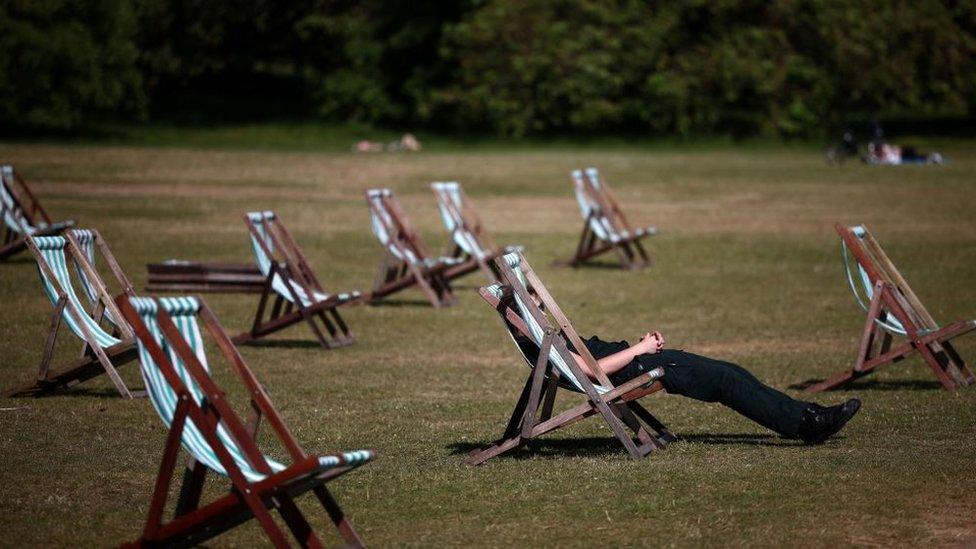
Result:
[{"x": 747, "y": 267}]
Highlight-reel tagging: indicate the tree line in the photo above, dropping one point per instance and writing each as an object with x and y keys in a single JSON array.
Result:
[{"x": 505, "y": 67}]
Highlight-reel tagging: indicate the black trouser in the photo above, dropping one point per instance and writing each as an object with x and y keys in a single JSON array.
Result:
[{"x": 710, "y": 380}]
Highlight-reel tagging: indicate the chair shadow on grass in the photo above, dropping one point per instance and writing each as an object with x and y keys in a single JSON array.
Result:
[
  {"x": 601, "y": 446},
  {"x": 874, "y": 385},
  {"x": 551, "y": 447},
  {"x": 284, "y": 344},
  {"x": 591, "y": 265},
  {"x": 399, "y": 303},
  {"x": 744, "y": 439},
  {"x": 21, "y": 258},
  {"x": 107, "y": 393}
]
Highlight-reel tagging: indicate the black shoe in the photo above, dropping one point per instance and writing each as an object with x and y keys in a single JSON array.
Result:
[{"x": 819, "y": 423}]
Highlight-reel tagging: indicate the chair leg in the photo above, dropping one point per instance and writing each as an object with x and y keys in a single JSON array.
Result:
[
  {"x": 346, "y": 334},
  {"x": 617, "y": 427},
  {"x": 157, "y": 505},
  {"x": 645, "y": 259},
  {"x": 511, "y": 437},
  {"x": 937, "y": 366},
  {"x": 624, "y": 254},
  {"x": 630, "y": 420},
  {"x": 968, "y": 378},
  {"x": 339, "y": 518},
  {"x": 52, "y": 337},
  {"x": 192, "y": 487},
  {"x": 296, "y": 522}
]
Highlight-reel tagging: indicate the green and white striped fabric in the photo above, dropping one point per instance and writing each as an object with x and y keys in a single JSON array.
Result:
[
  {"x": 567, "y": 376},
  {"x": 380, "y": 219},
  {"x": 86, "y": 239},
  {"x": 13, "y": 217},
  {"x": 262, "y": 222},
  {"x": 52, "y": 251},
  {"x": 184, "y": 311}
]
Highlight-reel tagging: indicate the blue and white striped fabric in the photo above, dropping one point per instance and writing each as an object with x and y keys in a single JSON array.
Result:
[
  {"x": 86, "y": 239},
  {"x": 514, "y": 261},
  {"x": 13, "y": 217},
  {"x": 262, "y": 222},
  {"x": 52, "y": 252},
  {"x": 380, "y": 219},
  {"x": 184, "y": 311},
  {"x": 890, "y": 323}
]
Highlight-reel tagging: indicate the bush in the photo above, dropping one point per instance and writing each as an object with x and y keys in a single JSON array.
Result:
[{"x": 63, "y": 62}]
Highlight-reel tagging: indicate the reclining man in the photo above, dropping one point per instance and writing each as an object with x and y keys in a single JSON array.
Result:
[{"x": 711, "y": 380}]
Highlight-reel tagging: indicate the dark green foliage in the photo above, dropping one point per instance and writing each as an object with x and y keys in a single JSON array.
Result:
[
  {"x": 508, "y": 67},
  {"x": 729, "y": 66},
  {"x": 64, "y": 61}
]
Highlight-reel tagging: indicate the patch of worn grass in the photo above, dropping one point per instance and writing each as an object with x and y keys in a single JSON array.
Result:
[{"x": 747, "y": 268}]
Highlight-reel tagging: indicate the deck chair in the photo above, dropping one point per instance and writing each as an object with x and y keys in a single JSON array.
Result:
[
  {"x": 605, "y": 227},
  {"x": 471, "y": 244},
  {"x": 22, "y": 214},
  {"x": 405, "y": 261},
  {"x": 298, "y": 294},
  {"x": 550, "y": 331},
  {"x": 105, "y": 345},
  {"x": 173, "y": 363},
  {"x": 893, "y": 309}
]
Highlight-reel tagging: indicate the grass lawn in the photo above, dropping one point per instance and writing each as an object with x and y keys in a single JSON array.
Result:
[{"x": 747, "y": 268}]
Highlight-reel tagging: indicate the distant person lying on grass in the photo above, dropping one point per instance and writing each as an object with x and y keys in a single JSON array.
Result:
[
  {"x": 893, "y": 155},
  {"x": 710, "y": 380}
]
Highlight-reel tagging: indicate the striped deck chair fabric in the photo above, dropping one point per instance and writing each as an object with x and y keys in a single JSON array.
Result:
[
  {"x": 405, "y": 261},
  {"x": 605, "y": 228},
  {"x": 290, "y": 281},
  {"x": 52, "y": 248},
  {"x": 538, "y": 321},
  {"x": 623, "y": 230},
  {"x": 86, "y": 239},
  {"x": 471, "y": 243},
  {"x": 174, "y": 368},
  {"x": 287, "y": 289},
  {"x": 103, "y": 350},
  {"x": 893, "y": 310},
  {"x": 22, "y": 215}
]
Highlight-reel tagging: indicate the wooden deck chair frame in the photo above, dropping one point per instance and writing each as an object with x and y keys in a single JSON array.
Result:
[
  {"x": 628, "y": 248},
  {"x": 893, "y": 299},
  {"x": 192, "y": 523},
  {"x": 467, "y": 224},
  {"x": 94, "y": 359},
  {"x": 22, "y": 215},
  {"x": 296, "y": 278},
  {"x": 533, "y": 413},
  {"x": 396, "y": 271}
]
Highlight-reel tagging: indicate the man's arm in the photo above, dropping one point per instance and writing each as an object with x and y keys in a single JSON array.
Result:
[{"x": 651, "y": 343}]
